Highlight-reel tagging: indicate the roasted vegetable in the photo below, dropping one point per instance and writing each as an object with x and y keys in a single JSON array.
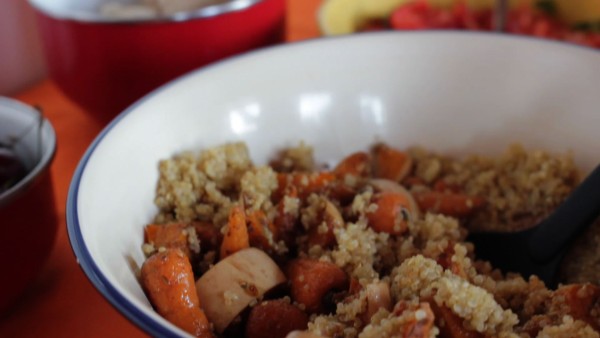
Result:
[
  {"x": 168, "y": 280},
  {"x": 235, "y": 282}
]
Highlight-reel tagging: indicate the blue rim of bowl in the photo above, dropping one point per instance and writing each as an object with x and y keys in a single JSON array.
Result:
[
  {"x": 84, "y": 258},
  {"x": 203, "y": 12},
  {"x": 82, "y": 254}
]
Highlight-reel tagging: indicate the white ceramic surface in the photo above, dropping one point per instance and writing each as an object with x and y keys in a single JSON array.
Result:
[{"x": 457, "y": 93}]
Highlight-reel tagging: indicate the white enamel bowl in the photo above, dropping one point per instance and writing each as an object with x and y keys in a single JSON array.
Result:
[{"x": 454, "y": 92}]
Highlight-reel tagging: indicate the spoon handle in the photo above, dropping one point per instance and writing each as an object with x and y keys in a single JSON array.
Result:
[{"x": 574, "y": 215}]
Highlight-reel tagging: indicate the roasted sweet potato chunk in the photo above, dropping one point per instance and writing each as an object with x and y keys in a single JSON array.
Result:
[
  {"x": 311, "y": 280},
  {"x": 275, "y": 319}
]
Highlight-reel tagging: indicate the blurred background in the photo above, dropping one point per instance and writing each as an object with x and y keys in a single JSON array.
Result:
[
  {"x": 22, "y": 61},
  {"x": 21, "y": 58}
]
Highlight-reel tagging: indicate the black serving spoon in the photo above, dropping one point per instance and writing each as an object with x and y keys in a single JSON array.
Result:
[{"x": 539, "y": 250}]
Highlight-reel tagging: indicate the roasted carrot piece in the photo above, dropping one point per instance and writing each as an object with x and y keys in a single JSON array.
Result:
[
  {"x": 275, "y": 319},
  {"x": 392, "y": 214},
  {"x": 316, "y": 182},
  {"x": 450, "y": 324},
  {"x": 170, "y": 235},
  {"x": 357, "y": 164},
  {"x": 342, "y": 192},
  {"x": 259, "y": 231},
  {"x": 444, "y": 187},
  {"x": 236, "y": 238},
  {"x": 390, "y": 163},
  {"x": 210, "y": 237},
  {"x": 580, "y": 301},
  {"x": 283, "y": 187},
  {"x": 284, "y": 223},
  {"x": 445, "y": 260},
  {"x": 305, "y": 183},
  {"x": 311, "y": 280},
  {"x": 378, "y": 297},
  {"x": 328, "y": 218},
  {"x": 355, "y": 286},
  {"x": 174, "y": 235},
  {"x": 421, "y": 325},
  {"x": 168, "y": 280},
  {"x": 412, "y": 181},
  {"x": 450, "y": 204}
]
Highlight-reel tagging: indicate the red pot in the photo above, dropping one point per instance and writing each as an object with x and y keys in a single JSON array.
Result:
[{"x": 105, "y": 65}]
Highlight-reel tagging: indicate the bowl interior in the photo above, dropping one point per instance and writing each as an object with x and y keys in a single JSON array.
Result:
[{"x": 453, "y": 92}]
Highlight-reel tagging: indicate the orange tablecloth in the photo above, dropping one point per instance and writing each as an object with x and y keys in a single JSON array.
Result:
[{"x": 62, "y": 302}]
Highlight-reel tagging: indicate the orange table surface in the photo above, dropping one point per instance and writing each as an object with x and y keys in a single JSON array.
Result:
[{"x": 62, "y": 302}]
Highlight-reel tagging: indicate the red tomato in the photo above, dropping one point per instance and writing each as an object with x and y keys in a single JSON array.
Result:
[
  {"x": 473, "y": 20},
  {"x": 420, "y": 15},
  {"x": 528, "y": 22},
  {"x": 410, "y": 16}
]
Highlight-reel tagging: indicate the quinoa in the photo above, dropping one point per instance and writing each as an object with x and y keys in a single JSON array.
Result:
[
  {"x": 582, "y": 261},
  {"x": 257, "y": 185},
  {"x": 201, "y": 187},
  {"x": 192, "y": 238},
  {"x": 568, "y": 328},
  {"x": 432, "y": 276},
  {"x": 414, "y": 278},
  {"x": 521, "y": 187},
  {"x": 435, "y": 227},
  {"x": 299, "y": 158},
  {"x": 414, "y": 316},
  {"x": 474, "y": 304},
  {"x": 357, "y": 252}
]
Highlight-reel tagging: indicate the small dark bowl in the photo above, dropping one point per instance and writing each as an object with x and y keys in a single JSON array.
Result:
[{"x": 27, "y": 210}]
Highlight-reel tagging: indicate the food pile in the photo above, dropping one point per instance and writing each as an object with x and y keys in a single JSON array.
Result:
[
  {"x": 373, "y": 247},
  {"x": 552, "y": 19}
]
